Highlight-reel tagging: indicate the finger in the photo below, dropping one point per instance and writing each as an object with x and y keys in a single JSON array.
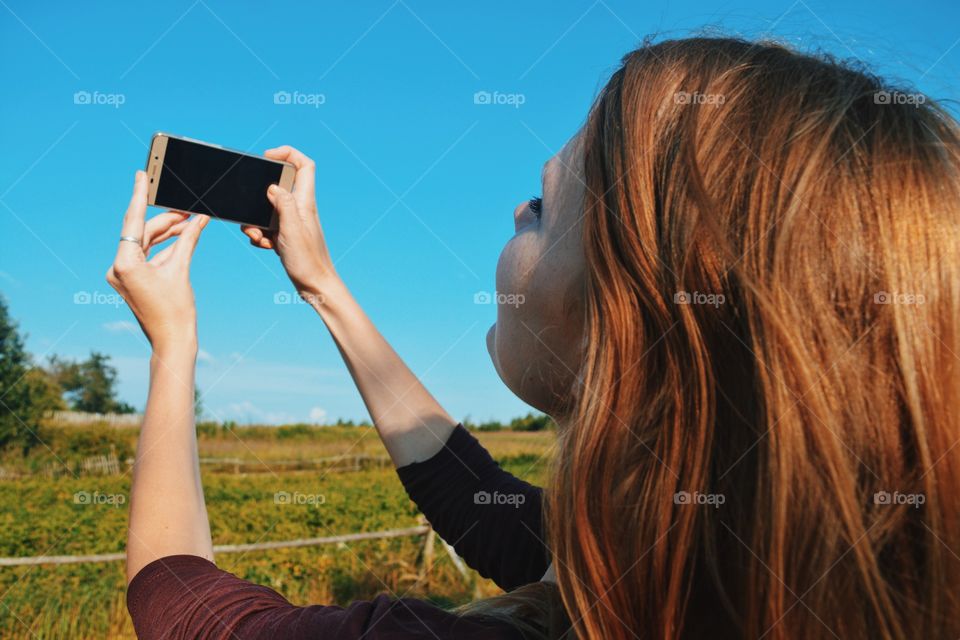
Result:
[
  {"x": 163, "y": 255},
  {"x": 133, "y": 220},
  {"x": 184, "y": 246},
  {"x": 254, "y": 233},
  {"x": 173, "y": 231},
  {"x": 112, "y": 279},
  {"x": 258, "y": 237},
  {"x": 303, "y": 185},
  {"x": 158, "y": 227},
  {"x": 283, "y": 201},
  {"x": 263, "y": 243},
  {"x": 286, "y": 153}
]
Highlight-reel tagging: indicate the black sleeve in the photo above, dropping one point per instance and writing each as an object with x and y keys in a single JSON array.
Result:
[
  {"x": 187, "y": 597},
  {"x": 492, "y": 518}
]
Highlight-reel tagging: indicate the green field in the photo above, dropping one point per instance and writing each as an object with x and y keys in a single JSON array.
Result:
[{"x": 41, "y": 517}]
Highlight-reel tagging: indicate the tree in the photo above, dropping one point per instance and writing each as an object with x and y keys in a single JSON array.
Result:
[
  {"x": 89, "y": 385},
  {"x": 490, "y": 425},
  {"x": 531, "y": 422},
  {"x": 19, "y": 413},
  {"x": 45, "y": 393}
]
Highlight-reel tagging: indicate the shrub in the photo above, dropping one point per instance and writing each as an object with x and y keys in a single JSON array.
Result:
[{"x": 532, "y": 422}]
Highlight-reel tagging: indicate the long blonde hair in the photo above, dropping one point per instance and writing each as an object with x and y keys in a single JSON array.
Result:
[{"x": 764, "y": 443}]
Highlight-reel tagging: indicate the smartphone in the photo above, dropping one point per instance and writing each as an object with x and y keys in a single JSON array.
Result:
[{"x": 199, "y": 177}]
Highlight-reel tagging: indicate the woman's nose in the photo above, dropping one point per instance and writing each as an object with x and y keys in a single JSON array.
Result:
[{"x": 522, "y": 216}]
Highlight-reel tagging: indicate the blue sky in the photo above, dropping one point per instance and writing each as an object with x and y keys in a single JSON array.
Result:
[{"x": 416, "y": 183}]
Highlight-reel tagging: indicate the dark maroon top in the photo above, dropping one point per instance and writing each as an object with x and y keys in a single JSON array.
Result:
[{"x": 492, "y": 519}]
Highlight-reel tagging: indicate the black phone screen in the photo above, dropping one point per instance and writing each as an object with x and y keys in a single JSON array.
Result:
[{"x": 220, "y": 183}]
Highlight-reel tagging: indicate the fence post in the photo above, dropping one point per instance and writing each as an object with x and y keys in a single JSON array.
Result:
[{"x": 428, "y": 553}]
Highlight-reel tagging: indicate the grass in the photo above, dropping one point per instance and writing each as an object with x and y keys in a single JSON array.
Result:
[{"x": 40, "y": 517}]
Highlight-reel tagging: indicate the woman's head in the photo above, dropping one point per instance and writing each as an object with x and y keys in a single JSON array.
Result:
[{"x": 750, "y": 299}]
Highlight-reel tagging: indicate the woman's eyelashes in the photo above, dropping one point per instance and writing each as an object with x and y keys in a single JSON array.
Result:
[{"x": 536, "y": 206}]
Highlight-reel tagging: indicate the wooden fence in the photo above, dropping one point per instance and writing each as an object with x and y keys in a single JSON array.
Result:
[
  {"x": 105, "y": 465},
  {"x": 101, "y": 465},
  {"x": 421, "y": 530},
  {"x": 112, "y": 419},
  {"x": 328, "y": 464}
]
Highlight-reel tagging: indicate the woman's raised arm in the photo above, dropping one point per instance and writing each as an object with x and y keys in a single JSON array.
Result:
[
  {"x": 167, "y": 511},
  {"x": 411, "y": 423},
  {"x": 505, "y": 543}
]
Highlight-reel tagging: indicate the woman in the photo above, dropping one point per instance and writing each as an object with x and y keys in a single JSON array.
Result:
[{"x": 742, "y": 294}]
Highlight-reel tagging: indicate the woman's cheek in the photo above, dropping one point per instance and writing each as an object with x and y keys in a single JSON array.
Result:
[
  {"x": 523, "y": 308},
  {"x": 515, "y": 270},
  {"x": 504, "y": 339},
  {"x": 516, "y": 265}
]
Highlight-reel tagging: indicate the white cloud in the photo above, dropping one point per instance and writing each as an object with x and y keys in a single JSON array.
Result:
[
  {"x": 204, "y": 357},
  {"x": 318, "y": 415},
  {"x": 9, "y": 278},
  {"x": 246, "y": 412},
  {"x": 121, "y": 326},
  {"x": 284, "y": 393}
]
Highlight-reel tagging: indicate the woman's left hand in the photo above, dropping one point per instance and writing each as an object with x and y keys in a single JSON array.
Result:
[{"x": 158, "y": 289}]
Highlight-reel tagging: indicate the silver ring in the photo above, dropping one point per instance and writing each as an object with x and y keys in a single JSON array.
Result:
[{"x": 130, "y": 239}]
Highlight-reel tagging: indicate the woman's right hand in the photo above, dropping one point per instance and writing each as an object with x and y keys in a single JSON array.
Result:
[
  {"x": 411, "y": 423},
  {"x": 299, "y": 240}
]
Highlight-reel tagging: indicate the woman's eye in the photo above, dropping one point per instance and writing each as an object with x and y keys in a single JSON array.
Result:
[{"x": 536, "y": 206}]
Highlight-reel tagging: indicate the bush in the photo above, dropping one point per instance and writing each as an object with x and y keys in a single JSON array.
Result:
[
  {"x": 532, "y": 422},
  {"x": 95, "y": 440},
  {"x": 295, "y": 431},
  {"x": 208, "y": 429}
]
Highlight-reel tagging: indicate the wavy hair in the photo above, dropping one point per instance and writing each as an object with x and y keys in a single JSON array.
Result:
[{"x": 763, "y": 442}]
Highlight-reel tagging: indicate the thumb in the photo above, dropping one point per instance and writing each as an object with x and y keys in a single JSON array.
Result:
[
  {"x": 187, "y": 242},
  {"x": 283, "y": 201}
]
